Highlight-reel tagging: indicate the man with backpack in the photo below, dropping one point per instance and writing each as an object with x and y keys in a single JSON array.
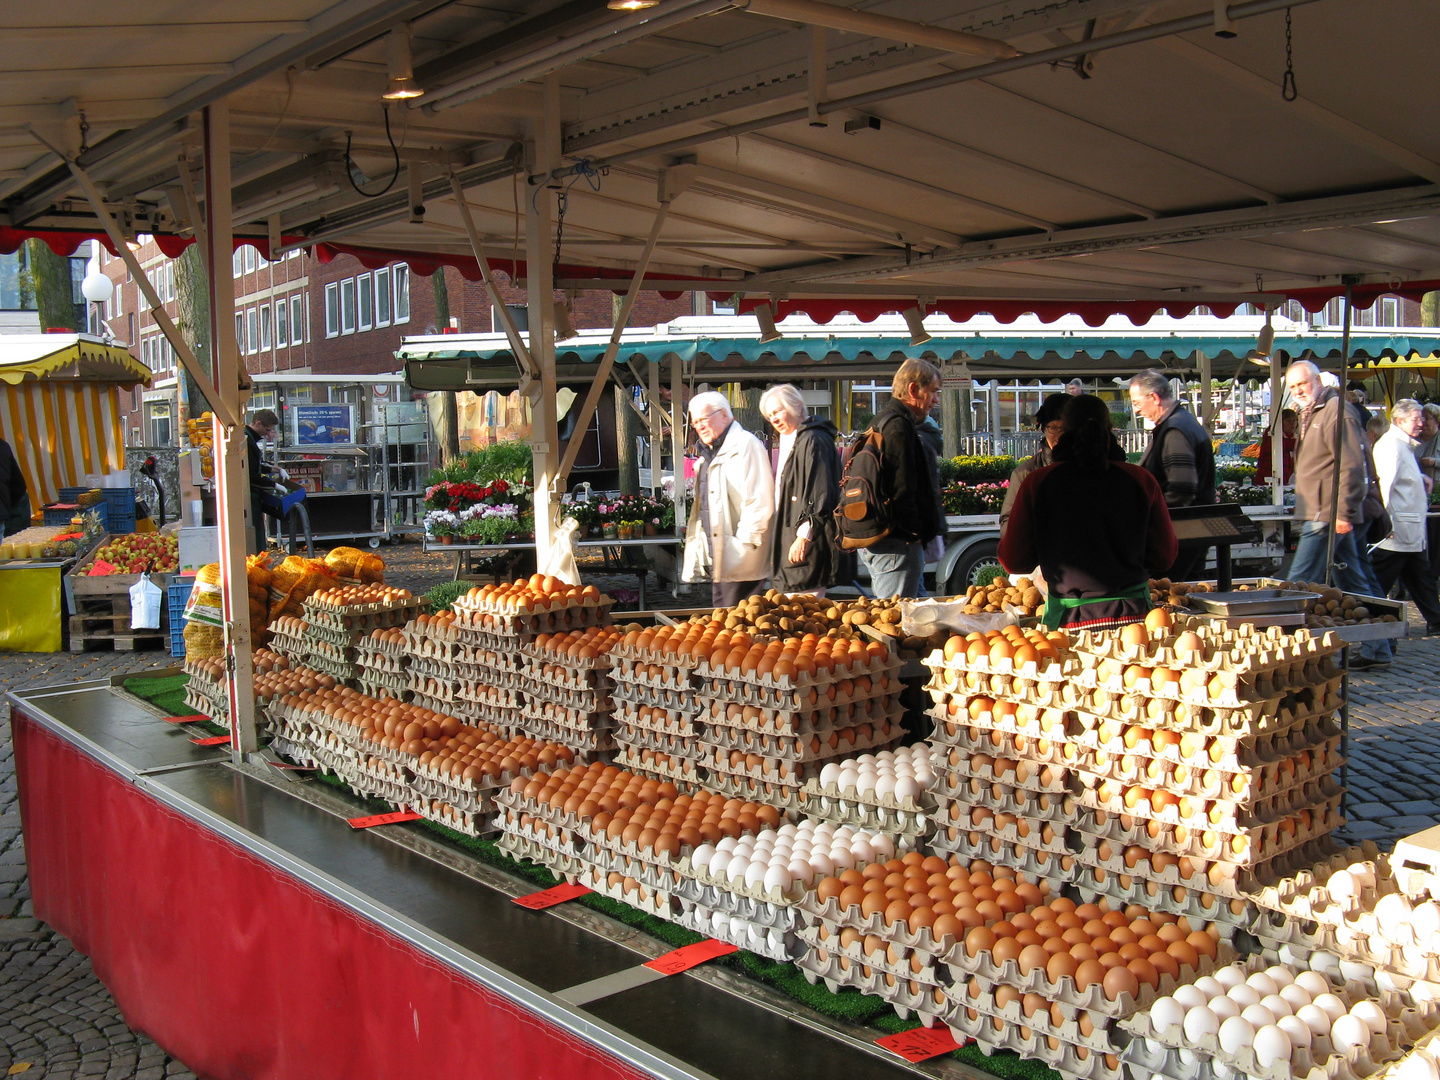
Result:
[{"x": 904, "y": 504}]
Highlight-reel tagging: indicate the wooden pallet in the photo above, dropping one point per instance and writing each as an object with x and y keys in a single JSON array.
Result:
[{"x": 103, "y": 622}]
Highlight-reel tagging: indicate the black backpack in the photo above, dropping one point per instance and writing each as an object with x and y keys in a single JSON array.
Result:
[{"x": 862, "y": 517}]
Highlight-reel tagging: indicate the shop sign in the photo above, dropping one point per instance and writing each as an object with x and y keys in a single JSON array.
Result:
[{"x": 322, "y": 425}]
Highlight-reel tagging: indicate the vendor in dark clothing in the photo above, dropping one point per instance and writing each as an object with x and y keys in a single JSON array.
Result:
[
  {"x": 1047, "y": 419},
  {"x": 1097, "y": 527},
  {"x": 262, "y": 425},
  {"x": 14, "y": 495},
  {"x": 807, "y": 490}
]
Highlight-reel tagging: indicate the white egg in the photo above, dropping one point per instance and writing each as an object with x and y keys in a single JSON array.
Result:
[
  {"x": 1271, "y": 1045},
  {"x": 1342, "y": 887},
  {"x": 1364, "y": 874},
  {"x": 862, "y": 851},
  {"x": 1281, "y": 975},
  {"x": 777, "y": 877},
  {"x": 1200, "y": 1021},
  {"x": 847, "y": 780},
  {"x": 1373, "y": 1016},
  {"x": 737, "y": 929},
  {"x": 735, "y": 872},
  {"x": 1425, "y": 920},
  {"x": 1187, "y": 1057},
  {"x": 1223, "y": 1071},
  {"x": 720, "y": 922},
  {"x": 788, "y": 829},
  {"x": 801, "y": 873},
  {"x": 906, "y": 787},
  {"x": 821, "y": 864},
  {"x": 719, "y": 863},
  {"x": 830, "y": 773},
  {"x": 844, "y": 834},
  {"x": 1229, "y": 976},
  {"x": 1312, "y": 982},
  {"x": 1235, "y": 1033},
  {"x": 1295, "y": 995},
  {"x": 1208, "y": 986},
  {"x": 1353, "y": 971},
  {"x": 1299, "y": 1031},
  {"x": 1392, "y": 910},
  {"x": 801, "y": 850},
  {"x": 924, "y": 776},
  {"x": 842, "y": 857},
  {"x": 1224, "y": 1007},
  {"x": 1425, "y": 992},
  {"x": 1263, "y": 983},
  {"x": 1418, "y": 1066},
  {"x": 1277, "y": 1005},
  {"x": 755, "y": 874},
  {"x": 1244, "y": 995},
  {"x": 1333, "y": 1006},
  {"x": 1258, "y": 1015},
  {"x": 1166, "y": 1012},
  {"x": 727, "y": 843},
  {"x": 866, "y": 759},
  {"x": 1349, "y": 1032},
  {"x": 1190, "y": 997},
  {"x": 1315, "y": 1018},
  {"x": 1324, "y": 962},
  {"x": 865, "y": 783},
  {"x": 702, "y": 855},
  {"x": 883, "y": 845}
]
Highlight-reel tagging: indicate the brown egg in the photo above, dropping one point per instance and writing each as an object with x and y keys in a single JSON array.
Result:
[
  {"x": 1088, "y": 974},
  {"x": 1032, "y": 957},
  {"x": 1060, "y": 965},
  {"x": 1120, "y": 980},
  {"x": 1165, "y": 964},
  {"x": 1203, "y": 942}
]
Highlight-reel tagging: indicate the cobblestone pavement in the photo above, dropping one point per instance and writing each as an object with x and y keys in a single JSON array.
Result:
[{"x": 58, "y": 1020}]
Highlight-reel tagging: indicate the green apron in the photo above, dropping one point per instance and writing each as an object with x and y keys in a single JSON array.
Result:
[{"x": 1056, "y": 606}]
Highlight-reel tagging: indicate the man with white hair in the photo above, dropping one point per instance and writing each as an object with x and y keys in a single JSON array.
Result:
[
  {"x": 1401, "y": 556},
  {"x": 1179, "y": 457},
  {"x": 728, "y": 537}
]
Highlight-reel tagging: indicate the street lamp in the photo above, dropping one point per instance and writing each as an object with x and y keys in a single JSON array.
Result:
[{"x": 97, "y": 288}]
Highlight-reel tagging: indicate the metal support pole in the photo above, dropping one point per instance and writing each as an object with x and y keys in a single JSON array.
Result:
[
  {"x": 1339, "y": 446},
  {"x": 819, "y": 91},
  {"x": 657, "y": 427},
  {"x": 540, "y": 280},
  {"x": 1207, "y": 401},
  {"x": 1277, "y": 431},
  {"x": 231, "y": 451},
  {"x": 677, "y": 446}
]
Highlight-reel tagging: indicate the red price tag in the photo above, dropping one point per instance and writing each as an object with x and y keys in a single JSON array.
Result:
[
  {"x": 550, "y": 897},
  {"x": 212, "y": 740},
  {"x": 193, "y": 718},
  {"x": 920, "y": 1043},
  {"x": 683, "y": 959},
  {"x": 99, "y": 568},
  {"x": 382, "y": 819}
]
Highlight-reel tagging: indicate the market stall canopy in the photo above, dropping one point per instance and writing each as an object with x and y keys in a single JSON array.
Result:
[
  {"x": 1093, "y": 156},
  {"x": 714, "y": 351},
  {"x": 58, "y": 357}
]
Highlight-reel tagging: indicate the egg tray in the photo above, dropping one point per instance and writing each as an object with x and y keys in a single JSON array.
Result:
[
  {"x": 1219, "y": 815},
  {"x": 816, "y": 696},
  {"x": 1039, "y": 862},
  {"x": 1426, "y": 1047},
  {"x": 952, "y": 777},
  {"x": 777, "y": 946},
  {"x": 465, "y": 821},
  {"x": 1412, "y": 962},
  {"x": 348, "y": 614},
  {"x": 775, "y": 897},
  {"x": 722, "y": 714},
  {"x": 1026, "y": 723},
  {"x": 342, "y": 671},
  {"x": 908, "y": 942},
  {"x": 292, "y": 751},
  {"x": 647, "y": 670},
  {"x": 1272, "y": 716},
  {"x": 382, "y": 663},
  {"x": 829, "y": 798},
  {"x": 597, "y": 666},
  {"x": 595, "y": 743},
  {"x": 576, "y": 719},
  {"x": 676, "y": 745},
  {"x": 292, "y": 648},
  {"x": 321, "y": 649},
  {"x": 870, "y": 665},
  {"x": 654, "y": 902},
  {"x": 969, "y": 793},
  {"x": 674, "y": 723},
  {"x": 588, "y": 700},
  {"x": 1092, "y": 998},
  {"x": 821, "y": 743},
  {"x": 1265, "y": 843},
  {"x": 447, "y": 669},
  {"x": 388, "y": 680},
  {"x": 778, "y": 770},
  {"x": 680, "y": 770},
  {"x": 524, "y": 628},
  {"x": 331, "y": 763},
  {"x": 1051, "y": 671},
  {"x": 931, "y": 972},
  {"x": 1305, "y": 894},
  {"x": 678, "y": 700},
  {"x": 1241, "y": 789},
  {"x": 566, "y": 674},
  {"x": 897, "y": 992},
  {"x": 1243, "y": 649},
  {"x": 558, "y": 863},
  {"x": 783, "y": 797},
  {"x": 364, "y": 783},
  {"x": 974, "y": 1007},
  {"x": 1235, "y": 755},
  {"x": 691, "y": 890},
  {"x": 447, "y": 787},
  {"x": 1069, "y": 1060},
  {"x": 949, "y": 733},
  {"x": 204, "y": 704}
]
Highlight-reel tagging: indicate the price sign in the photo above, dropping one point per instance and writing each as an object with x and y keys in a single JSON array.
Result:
[
  {"x": 683, "y": 959},
  {"x": 550, "y": 897},
  {"x": 920, "y": 1043},
  {"x": 193, "y": 718},
  {"x": 99, "y": 568},
  {"x": 212, "y": 740},
  {"x": 956, "y": 377},
  {"x": 382, "y": 819}
]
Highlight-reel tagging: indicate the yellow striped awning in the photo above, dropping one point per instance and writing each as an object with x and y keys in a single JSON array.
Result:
[
  {"x": 27, "y": 358},
  {"x": 61, "y": 432}
]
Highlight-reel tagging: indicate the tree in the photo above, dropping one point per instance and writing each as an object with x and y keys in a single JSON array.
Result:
[
  {"x": 53, "y": 290},
  {"x": 192, "y": 301},
  {"x": 1430, "y": 309},
  {"x": 445, "y": 411},
  {"x": 627, "y": 427}
]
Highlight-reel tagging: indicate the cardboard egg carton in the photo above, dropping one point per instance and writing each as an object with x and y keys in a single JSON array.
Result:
[
  {"x": 784, "y": 917},
  {"x": 998, "y": 769},
  {"x": 967, "y": 792},
  {"x": 679, "y": 769},
  {"x": 1220, "y": 752},
  {"x": 975, "y": 1007},
  {"x": 1022, "y": 830},
  {"x": 823, "y": 743},
  {"x": 648, "y": 668},
  {"x": 1304, "y": 895},
  {"x": 586, "y": 699},
  {"x": 1092, "y": 999},
  {"x": 453, "y": 817},
  {"x": 784, "y": 797},
  {"x": 908, "y": 827},
  {"x": 391, "y": 686},
  {"x": 1426, "y": 1047},
  {"x": 670, "y": 722},
  {"x": 546, "y": 656},
  {"x": 885, "y": 957},
  {"x": 373, "y": 643},
  {"x": 906, "y": 996},
  {"x": 319, "y": 648},
  {"x": 1244, "y": 648},
  {"x": 1352, "y": 941},
  {"x": 874, "y": 667},
  {"x": 947, "y": 736},
  {"x": 1026, "y": 722},
  {"x": 772, "y": 944},
  {"x": 533, "y": 707},
  {"x": 1250, "y": 847},
  {"x": 731, "y": 714},
  {"x": 1225, "y": 916},
  {"x": 680, "y": 700},
  {"x": 774, "y": 897},
  {"x": 972, "y": 844},
  {"x": 676, "y": 745},
  {"x": 1050, "y": 670},
  {"x": 802, "y": 699},
  {"x": 825, "y": 795},
  {"x": 564, "y": 678},
  {"x": 521, "y": 847},
  {"x": 908, "y": 943},
  {"x": 1218, "y": 815},
  {"x": 594, "y": 742},
  {"x": 292, "y": 751},
  {"x": 628, "y": 891},
  {"x": 376, "y": 663},
  {"x": 1268, "y": 782},
  {"x": 613, "y": 856},
  {"x": 784, "y": 769}
]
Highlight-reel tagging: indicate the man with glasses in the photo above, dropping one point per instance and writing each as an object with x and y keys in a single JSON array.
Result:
[
  {"x": 1179, "y": 456},
  {"x": 1047, "y": 419},
  {"x": 728, "y": 536},
  {"x": 261, "y": 427}
]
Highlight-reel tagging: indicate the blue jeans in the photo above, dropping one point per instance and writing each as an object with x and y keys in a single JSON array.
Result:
[
  {"x": 1353, "y": 572},
  {"x": 896, "y": 568}
]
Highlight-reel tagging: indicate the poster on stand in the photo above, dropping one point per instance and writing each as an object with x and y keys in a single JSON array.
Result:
[{"x": 330, "y": 424}]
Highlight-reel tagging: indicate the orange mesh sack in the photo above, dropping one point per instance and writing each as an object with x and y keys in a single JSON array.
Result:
[{"x": 355, "y": 565}]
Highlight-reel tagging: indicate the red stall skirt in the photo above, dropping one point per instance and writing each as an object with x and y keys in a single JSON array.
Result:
[{"x": 242, "y": 971}]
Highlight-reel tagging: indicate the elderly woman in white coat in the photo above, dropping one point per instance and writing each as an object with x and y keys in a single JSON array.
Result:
[
  {"x": 728, "y": 537},
  {"x": 1401, "y": 556}
]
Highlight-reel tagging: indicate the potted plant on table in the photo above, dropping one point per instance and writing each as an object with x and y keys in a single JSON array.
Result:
[{"x": 442, "y": 525}]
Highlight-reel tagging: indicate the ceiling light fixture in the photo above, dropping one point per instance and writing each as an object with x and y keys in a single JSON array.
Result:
[
  {"x": 765, "y": 314},
  {"x": 1265, "y": 343},
  {"x": 631, "y": 5},
  {"x": 401, "y": 71},
  {"x": 915, "y": 319}
]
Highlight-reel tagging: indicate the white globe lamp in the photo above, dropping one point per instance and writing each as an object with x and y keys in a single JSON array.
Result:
[{"x": 97, "y": 288}]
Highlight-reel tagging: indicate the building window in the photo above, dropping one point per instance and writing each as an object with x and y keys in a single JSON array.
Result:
[
  {"x": 1389, "y": 311},
  {"x": 240, "y": 330},
  {"x": 282, "y": 323},
  {"x": 347, "y": 306},
  {"x": 382, "y": 297},
  {"x": 249, "y": 258},
  {"x": 402, "y": 292},
  {"x": 237, "y": 263},
  {"x": 265, "y": 326},
  {"x": 332, "y": 310},
  {"x": 297, "y": 320},
  {"x": 365, "y": 301},
  {"x": 252, "y": 331}
]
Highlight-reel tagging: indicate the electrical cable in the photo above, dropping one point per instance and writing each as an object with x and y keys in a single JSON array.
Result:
[{"x": 351, "y": 168}]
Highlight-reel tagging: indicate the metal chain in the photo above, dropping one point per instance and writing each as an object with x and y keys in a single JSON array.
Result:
[
  {"x": 1287, "y": 82},
  {"x": 562, "y": 202},
  {"x": 84, "y": 132}
]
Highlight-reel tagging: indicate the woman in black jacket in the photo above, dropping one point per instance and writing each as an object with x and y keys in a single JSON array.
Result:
[{"x": 807, "y": 489}]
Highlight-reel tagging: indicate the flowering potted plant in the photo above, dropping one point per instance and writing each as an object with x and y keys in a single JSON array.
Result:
[{"x": 443, "y": 525}]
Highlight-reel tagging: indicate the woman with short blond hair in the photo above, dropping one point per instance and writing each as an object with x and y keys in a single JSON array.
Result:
[{"x": 807, "y": 490}]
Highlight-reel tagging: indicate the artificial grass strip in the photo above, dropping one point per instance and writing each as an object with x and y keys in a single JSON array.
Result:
[{"x": 167, "y": 692}]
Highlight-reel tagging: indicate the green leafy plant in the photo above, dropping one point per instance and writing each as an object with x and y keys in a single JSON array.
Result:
[
  {"x": 986, "y": 574},
  {"x": 1234, "y": 474},
  {"x": 975, "y": 469},
  {"x": 444, "y": 595}
]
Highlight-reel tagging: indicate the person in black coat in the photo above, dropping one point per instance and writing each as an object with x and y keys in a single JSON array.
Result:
[
  {"x": 14, "y": 496},
  {"x": 807, "y": 489}
]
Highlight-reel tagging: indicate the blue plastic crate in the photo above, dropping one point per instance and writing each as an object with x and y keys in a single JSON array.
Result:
[
  {"x": 71, "y": 494},
  {"x": 177, "y": 594},
  {"x": 57, "y": 516},
  {"x": 122, "y": 499}
]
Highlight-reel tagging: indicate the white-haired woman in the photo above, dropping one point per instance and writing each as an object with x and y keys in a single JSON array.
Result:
[
  {"x": 807, "y": 490},
  {"x": 728, "y": 536}
]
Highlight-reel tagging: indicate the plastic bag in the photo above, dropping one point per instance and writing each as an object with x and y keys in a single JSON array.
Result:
[
  {"x": 145, "y": 597},
  {"x": 560, "y": 559},
  {"x": 921, "y": 618}
]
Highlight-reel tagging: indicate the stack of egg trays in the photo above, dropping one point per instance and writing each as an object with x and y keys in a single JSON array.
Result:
[
  {"x": 1063, "y": 1046},
  {"x": 384, "y": 668},
  {"x": 908, "y": 972},
  {"x": 645, "y": 682},
  {"x": 1168, "y": 1053},
  {"x": 745, "y": 916},
  {"x": 787, "y": 759},
  {"x": 1359, "y": 941},
  {"x": 656, "y": 764},
  {"x": 287, "y": 637},
  {"x": 907, "y": 819},
  {"x": 524, "y": 627},
  {"x": 472, "y": 805},
  {"x": 360, "y": 619}
]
